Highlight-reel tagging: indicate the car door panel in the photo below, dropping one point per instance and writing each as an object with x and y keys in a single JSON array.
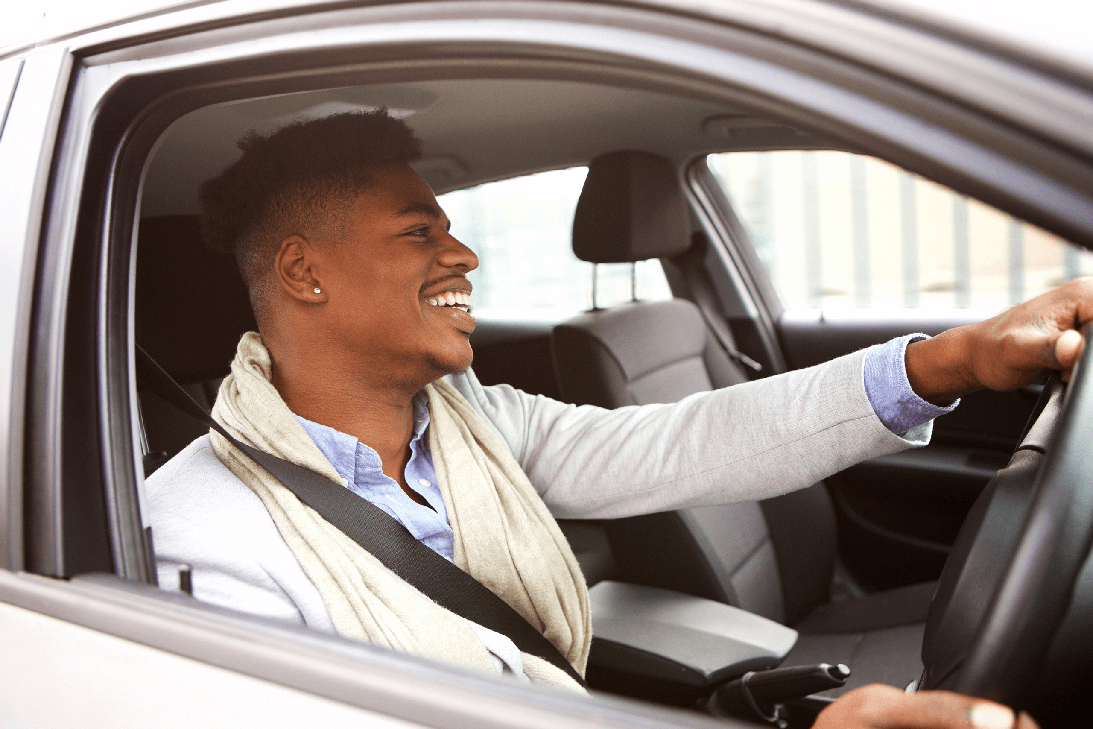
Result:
[
  {"x": 124, "y": 654},
  {"x": 899, "y": 514},
  {"x": 100, "y": 675}
]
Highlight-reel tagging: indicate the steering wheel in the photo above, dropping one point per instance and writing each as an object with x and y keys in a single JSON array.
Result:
[{"x": 1010, "y": 579}]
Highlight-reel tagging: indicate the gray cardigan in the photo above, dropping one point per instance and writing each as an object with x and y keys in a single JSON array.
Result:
[{"x": 747, "y": 442}]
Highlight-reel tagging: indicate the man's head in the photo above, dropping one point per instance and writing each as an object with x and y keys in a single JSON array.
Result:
[
  {"x": 299, "y": 180},
  {"x": 347, "y": 256}
]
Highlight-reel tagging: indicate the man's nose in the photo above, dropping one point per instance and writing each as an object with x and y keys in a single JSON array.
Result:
[{"x": 455, "y": 254}]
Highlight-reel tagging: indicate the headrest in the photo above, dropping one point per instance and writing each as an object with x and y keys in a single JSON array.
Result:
[
  {"x": 191, "y": 303},
  {"x": 631, "y": 209}
]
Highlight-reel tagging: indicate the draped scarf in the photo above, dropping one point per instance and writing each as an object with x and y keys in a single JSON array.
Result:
[{"x": 504, "y": 536}]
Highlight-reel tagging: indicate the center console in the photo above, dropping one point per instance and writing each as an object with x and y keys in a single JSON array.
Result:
[{"x": 673, "y": 648}]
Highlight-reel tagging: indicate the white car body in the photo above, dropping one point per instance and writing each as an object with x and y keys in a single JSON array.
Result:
[{"x": 93, "y": 651}]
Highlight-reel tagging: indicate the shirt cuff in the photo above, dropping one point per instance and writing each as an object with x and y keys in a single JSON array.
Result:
[{"x": 889, "y": 391}]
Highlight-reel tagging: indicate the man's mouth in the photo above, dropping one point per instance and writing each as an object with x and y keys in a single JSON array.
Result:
[{"x": 453, "y": 299}]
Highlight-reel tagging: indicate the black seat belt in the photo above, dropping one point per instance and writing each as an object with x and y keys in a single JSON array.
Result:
[
  {"x": 377, "y": 532},
  {"x": 698, "y": 281}
]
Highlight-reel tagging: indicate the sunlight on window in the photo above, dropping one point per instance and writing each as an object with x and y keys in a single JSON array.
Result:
[
  {"x": 842, "y": 230},
  {"x": 521, "y": 230}
]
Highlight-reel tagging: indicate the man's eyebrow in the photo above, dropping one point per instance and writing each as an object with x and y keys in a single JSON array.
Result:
[{"x": 431, "y": 210}]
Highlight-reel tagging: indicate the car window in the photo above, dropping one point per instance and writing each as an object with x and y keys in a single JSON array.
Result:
[
  {"x": 836, "y": 229},
  {"x": 521, "y": 229}
]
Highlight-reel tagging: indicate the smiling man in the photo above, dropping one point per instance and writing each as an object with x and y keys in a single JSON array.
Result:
[
  {"x": 361, "y": 374},
  {"x": 387, "y": 309}
]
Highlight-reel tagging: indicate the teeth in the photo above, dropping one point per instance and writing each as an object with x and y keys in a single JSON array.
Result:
[{"x": 452, "y": 298}]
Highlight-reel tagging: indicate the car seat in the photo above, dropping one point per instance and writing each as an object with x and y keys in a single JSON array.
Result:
[
  {"x": 191, "y": 308},
  {"x": 775, "y": 558}
]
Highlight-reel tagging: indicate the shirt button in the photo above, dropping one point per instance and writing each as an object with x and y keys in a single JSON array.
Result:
[{"x": 424, "y": 482}]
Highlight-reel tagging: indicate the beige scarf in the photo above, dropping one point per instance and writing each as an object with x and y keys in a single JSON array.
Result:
[{"x": 504, "y": 536}]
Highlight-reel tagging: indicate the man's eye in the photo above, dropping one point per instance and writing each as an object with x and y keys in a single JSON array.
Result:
[{"x": 421, "y": 232}]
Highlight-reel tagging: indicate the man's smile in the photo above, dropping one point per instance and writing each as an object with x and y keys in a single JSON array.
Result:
[
  {"x": 457, "y": 305},
  {"x": 456, "y": 299}
]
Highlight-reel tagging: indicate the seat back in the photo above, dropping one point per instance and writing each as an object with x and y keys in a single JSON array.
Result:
[
  {"x": 191, "y": 309},
  {"x": 774, "y": 558}
]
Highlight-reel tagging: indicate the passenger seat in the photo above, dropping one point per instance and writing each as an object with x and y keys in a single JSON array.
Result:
[{"x": 775, "y": 558}]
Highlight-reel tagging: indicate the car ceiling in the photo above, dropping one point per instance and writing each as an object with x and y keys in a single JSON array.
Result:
[{"x": 473, "y": 130}]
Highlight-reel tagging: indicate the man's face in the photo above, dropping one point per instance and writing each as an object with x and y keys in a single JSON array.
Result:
[{"x": 391, "y": 282}]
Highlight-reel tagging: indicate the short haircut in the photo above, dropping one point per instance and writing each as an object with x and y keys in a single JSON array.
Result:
[{"x": 298, "y": 180}]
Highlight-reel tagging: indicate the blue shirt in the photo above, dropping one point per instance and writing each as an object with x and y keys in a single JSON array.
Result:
[
  {"x": 362, "y": 470},
  {"x": 886, "y": 385}
]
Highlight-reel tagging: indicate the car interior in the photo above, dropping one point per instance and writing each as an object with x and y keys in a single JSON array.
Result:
[
  {"x": 748, "y": 611},
  {"x": 850, "y": 564},
  {"x": 667, "y": 197}
]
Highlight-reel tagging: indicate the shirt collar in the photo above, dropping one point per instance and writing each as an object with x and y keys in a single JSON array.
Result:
[
  {"x": 421, "y": 413},
  {"x": 341, "y": 448}
]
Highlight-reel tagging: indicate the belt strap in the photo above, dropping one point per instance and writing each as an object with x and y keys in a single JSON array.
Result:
[
  {"x": 705, "y": 298},
  {"x": 377, "y": 532}
]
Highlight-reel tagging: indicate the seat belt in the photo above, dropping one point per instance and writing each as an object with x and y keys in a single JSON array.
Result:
[
  {"x": 698, "y": 281},
  {"x": 377, "y": 532}
]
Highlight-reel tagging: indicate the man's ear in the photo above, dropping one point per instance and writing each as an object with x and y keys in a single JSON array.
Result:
[{"x": 297, "y": 267}]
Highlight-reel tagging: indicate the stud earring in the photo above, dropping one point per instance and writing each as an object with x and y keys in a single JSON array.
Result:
[{"x": 318, "y": 291}]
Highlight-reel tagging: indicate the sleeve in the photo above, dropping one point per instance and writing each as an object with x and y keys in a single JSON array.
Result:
[
  {"x": 204, "y": 517},
  {"x": 747, "y": 442},
  {"x": 889, "y": 391}
]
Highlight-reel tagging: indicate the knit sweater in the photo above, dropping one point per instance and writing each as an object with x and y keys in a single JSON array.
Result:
[{"x": 748, "y": 442}]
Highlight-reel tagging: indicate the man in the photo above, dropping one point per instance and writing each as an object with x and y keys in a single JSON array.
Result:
[{"x": 361, "y": 373}]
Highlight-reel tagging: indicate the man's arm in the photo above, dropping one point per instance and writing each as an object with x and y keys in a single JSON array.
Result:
[
  {"x": 748, "y": 442},
  {"x": 769, "y": 436}
]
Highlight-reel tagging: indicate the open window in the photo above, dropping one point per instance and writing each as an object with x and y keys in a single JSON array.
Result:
[{"x": 841, "y": 230}]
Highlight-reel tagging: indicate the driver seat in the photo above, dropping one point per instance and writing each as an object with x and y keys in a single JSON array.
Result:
[{"x": 775, "y": 558}]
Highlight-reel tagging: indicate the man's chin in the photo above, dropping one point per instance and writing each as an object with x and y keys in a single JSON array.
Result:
[{"x": 454, "y": 366}]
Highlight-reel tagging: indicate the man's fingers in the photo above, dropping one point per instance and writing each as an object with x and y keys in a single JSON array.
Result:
[
  {"x": 1025, "y": 722},
  {"x": 1081, "y": 289},
  {"x": 946, "y": 710},
  {"x": 885, "y": 707},
  {"x": 987, "y": 715},
  {"x": 1068, "y": 347},
  {"x": 1070, "y": 305}
]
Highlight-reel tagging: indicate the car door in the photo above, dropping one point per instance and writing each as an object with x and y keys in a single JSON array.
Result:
[
  {"x": 854, "y": 252},
  {"x": 69, "y": 655},
  {"x": 88, "y": 110}
]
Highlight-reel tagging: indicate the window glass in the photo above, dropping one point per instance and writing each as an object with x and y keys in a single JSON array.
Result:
[
  {"x": 521, "y": 230},
  {"x": 843, "y": 230}
]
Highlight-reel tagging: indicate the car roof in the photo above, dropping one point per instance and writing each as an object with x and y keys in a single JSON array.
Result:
[
  {"x": 1045, "y": 98},
  {"x": 473, "y": 130},
  {"x": 1054, "y": 30}
]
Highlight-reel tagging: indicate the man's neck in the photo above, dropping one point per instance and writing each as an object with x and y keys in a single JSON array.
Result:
[{"x": 378, "y": 414}]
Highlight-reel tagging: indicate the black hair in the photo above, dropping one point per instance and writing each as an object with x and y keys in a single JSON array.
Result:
[{"x": 297, "y": 180}]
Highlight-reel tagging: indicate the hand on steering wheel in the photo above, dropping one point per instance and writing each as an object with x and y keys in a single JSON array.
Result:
[
  {"x": 1006, "y": 352},
  {"x": 885, "y": 707},
  {"x": 1011, "y": 576}
]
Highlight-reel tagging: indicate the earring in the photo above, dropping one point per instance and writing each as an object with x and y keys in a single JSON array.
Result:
[{"x": 317, "y": 290}]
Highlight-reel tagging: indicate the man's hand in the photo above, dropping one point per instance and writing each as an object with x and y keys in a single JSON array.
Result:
[
  {"x": 1007, "y": 352},
  {"x": 886, "y": 707}
]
